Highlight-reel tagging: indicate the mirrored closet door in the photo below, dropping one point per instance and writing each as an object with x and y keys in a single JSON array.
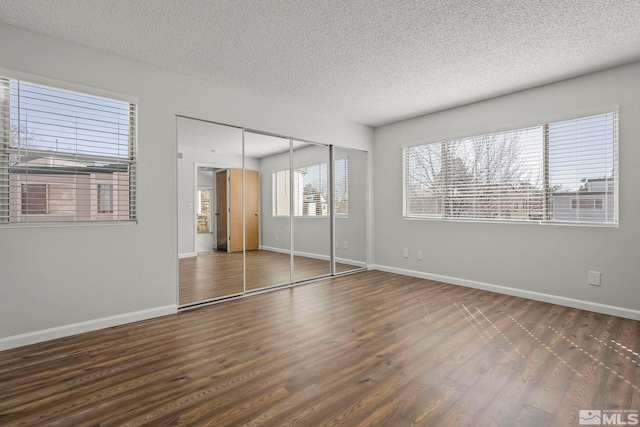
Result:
[
  {"x": 258, "y": 211},
  {"x": 350, "y": 204},
  {"x": 311, "y": 220},
  {"x": 268, "y": 263},
  {"x": 210, "y": 241}
]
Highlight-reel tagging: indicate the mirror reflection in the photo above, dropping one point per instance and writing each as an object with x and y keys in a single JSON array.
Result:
[
  {"x": 350, "y": 189},
  {"x": 270, "y": 264},
  {"x": 311, "y": 221},
  {"x": 210, "y": 242},
  {"x": 258, "y": 211}
]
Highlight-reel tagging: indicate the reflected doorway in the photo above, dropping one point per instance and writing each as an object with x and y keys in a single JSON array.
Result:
[
  {"x": 205, "y": 229},
  {"x": 210, "y": 264}
]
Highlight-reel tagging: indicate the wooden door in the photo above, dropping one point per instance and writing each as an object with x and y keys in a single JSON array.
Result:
[
  {"x": 252, "y": 209},
  {"x": 235, "y": 210},
  {"x": 221, "y": 210}
]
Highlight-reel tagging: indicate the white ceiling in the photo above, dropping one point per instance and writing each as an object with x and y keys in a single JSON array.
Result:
[
  {"x": 227, "y": 140},
  {"x": 369, "y": 61}
]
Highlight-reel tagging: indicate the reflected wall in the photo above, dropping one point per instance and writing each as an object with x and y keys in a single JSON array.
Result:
[
  {"x": 311, "y": 198},
  {"x": 270, "y": 264},
  {"x": 350, "y": 201}
]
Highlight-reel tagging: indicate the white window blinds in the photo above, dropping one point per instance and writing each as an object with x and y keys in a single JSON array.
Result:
[
  {"x": 280, "y": 187},
  {"x": 583, "y": 166},
  {"x": 311, "y": 190},
  {"x": 341, "y": 186},
  {"x": 531, "y": 174},
  {"x": 65, "y": 156}
]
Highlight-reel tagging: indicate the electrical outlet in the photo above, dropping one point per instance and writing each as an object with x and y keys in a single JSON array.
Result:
[
  {"x": 419, "y": 256},
  {"x": 345, "y": 245},
  {"x": 276, "y": 237},
  {"x": 405, "y": 252},
  {"x": 594, "y": 278}
]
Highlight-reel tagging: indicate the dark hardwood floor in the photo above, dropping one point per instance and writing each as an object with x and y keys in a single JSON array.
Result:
[{"x": 368, "y": 349}]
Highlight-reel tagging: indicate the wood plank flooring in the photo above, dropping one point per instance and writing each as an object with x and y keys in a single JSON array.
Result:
[
  {"x": 217, "y": 274},
  {"x": 368, "y": 349}
]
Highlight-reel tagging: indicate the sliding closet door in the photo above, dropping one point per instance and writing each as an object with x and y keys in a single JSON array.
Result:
[
  {"x": 210, "y": 242},
  {"x": 311, "y": 220},
  {"x": 259, "y": 211},
  {"x": 350, "y": 204},
  {"x": 267, "y": 210}
]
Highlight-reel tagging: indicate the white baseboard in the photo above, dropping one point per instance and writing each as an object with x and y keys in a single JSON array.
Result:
[
  {"x": 78, "y": 328},
  {"x": 187, "y": 255},
  {"x": 537, "y": 296},
  {"x": 314, "y": 256},
  {"x": 360, "y": 264}
]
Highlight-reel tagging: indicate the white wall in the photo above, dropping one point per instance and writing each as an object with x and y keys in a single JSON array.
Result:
[
  {"x": 353, "y": 228},
  {"x": 62, "y": 280},
  {"x": 311, "y": 234},
  {"x": 548, "y": 262}
]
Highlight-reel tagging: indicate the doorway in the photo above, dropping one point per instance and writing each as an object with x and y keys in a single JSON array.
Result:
[
  {"x": 228, "y": 212},
  {"x": 203, "y": 209}
]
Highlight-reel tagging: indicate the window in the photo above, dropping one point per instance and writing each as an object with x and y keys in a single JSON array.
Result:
[
  {"x": 311, "y": 190},
  {"x": 281, "y": 193},
  {"x": 341, "y": 187},
  {"x": 105, "y": 198},
  {"x": 587, "y": 204},
  {"x": 311, "y": 186},
  {"x": 204, "y": 210},
  {"x": 557, "y": 172},
  {"x": 65, "y": 156},
  {"x": 34, "y": 199}
]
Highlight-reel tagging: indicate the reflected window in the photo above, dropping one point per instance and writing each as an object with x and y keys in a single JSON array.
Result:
[
  {"x": 341, "y": 187},
  {"x": 281, "y": 193},
  {"x": 311, "y": 190}
]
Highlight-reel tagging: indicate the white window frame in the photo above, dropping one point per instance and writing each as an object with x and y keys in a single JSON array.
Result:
[
  {"x": 545, "y": 189},
  {"x": 127, "y": 163},
  {"x": 285, "y": 172}
]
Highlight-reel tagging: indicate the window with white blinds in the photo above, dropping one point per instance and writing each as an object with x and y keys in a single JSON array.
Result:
[
  {"x": 281, "y": 205},
  {"x": 311, "y": 190},
  {"x": 558, "y": 172},
  {"x": 65, "y": 156},
  {"x": 341, "y": 187}
]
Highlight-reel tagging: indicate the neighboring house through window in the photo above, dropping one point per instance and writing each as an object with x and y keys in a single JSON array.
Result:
[
  {"x": 105, "y": 198},
  {"x": 311, "y": 190},
  {"x": 65, "y": 155},
  {"x": 557, "y": 172},
  {"x": 34, "y": 199}
]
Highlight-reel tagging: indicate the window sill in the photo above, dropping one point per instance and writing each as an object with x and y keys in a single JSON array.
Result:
[
  {"x": 64, "y": 224},
  {"x": 506, "y": 221}
]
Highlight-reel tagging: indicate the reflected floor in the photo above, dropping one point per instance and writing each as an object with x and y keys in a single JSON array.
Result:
[{"x": 217, "y": 274}]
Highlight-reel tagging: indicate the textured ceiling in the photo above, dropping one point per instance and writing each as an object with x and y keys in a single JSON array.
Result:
[
  {"x": 222, "y": 139},
  {"x": 369, "y": 61}
]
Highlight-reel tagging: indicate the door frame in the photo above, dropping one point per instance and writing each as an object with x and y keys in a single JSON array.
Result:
[{"x": 195, "y": 200}]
